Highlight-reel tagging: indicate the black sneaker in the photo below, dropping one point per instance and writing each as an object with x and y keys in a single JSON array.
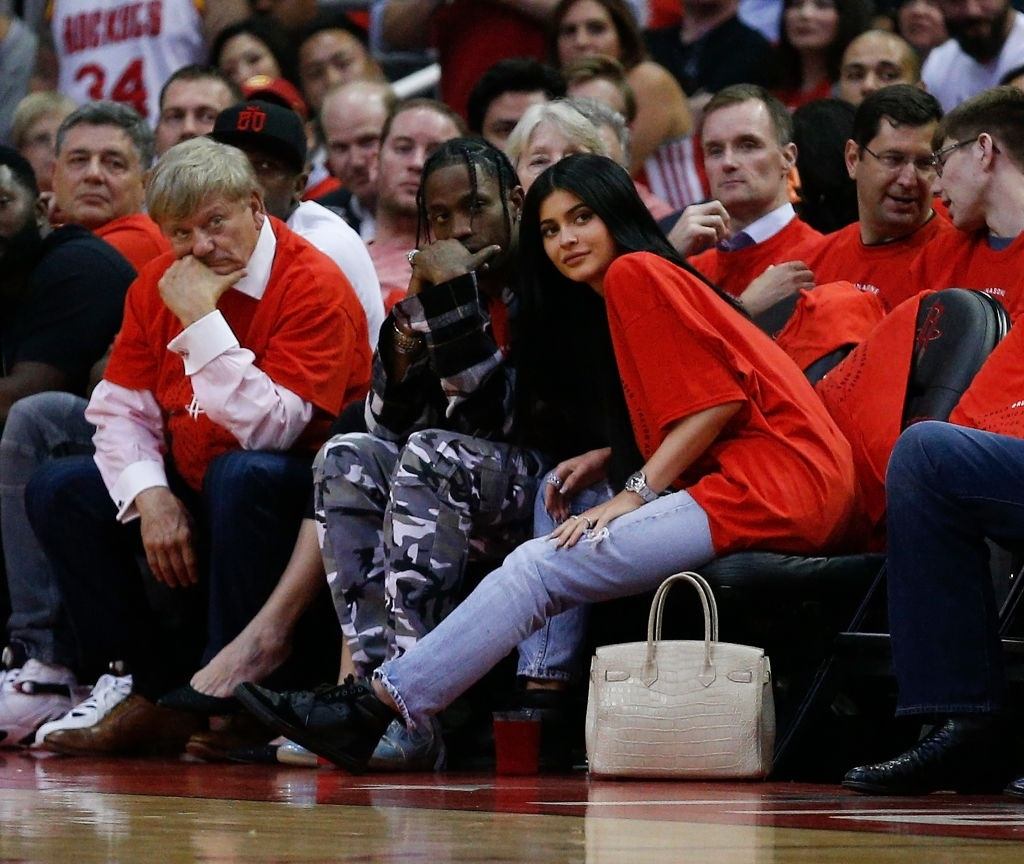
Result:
[{"x": 342, "y": 723}]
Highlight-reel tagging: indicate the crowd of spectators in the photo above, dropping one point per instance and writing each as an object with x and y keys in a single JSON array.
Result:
[{"x": 289, "y": 361}]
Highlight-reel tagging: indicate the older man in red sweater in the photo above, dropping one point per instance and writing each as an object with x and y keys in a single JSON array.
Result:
[{"x": 235, "y": 352}]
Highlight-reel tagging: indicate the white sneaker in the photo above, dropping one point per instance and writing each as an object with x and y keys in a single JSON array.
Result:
[
  {"x": 31, "y": 696},
  {"x": 109, "y": 692}
]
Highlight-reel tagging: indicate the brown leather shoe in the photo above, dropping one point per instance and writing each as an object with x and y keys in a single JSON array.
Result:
[
  {"x": 235, "y": 733},
  {"x": 133, "y": 726}
]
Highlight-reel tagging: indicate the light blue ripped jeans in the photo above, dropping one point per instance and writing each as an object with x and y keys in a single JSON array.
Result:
[
  {"x": 552, "y": 653},
  {"x": 538, "y": 581}
]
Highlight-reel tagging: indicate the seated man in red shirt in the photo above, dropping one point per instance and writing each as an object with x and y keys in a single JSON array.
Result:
[
  {"x": 758, "y": 243},
  {"x": 244, "y": 338},
  {"x": 103, "y": 152},
  {"x": 979, "y": 159},
  {"x": 890, "y": 159}
]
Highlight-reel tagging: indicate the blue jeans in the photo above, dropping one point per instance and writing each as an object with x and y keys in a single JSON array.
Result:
[
  {"x": 538, "y": 581},
  {"x": 39, "y": 428},
  {"x": 552, "y": 653},
  {"x": 948, "y": 489},
  {"x": 246, "y": 520}
]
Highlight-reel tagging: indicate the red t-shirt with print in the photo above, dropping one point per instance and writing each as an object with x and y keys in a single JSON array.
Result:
[
  {"x": 995, "y": 400},
  {"x": 966, "y": 260},
  {"x": 880, "y": 268}
]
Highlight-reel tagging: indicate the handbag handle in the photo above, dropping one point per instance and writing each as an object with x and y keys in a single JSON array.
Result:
[{"x": 707, "y": 599}]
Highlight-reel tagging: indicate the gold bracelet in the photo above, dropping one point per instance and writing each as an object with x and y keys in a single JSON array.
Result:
[{"x": 405, "y": 343}]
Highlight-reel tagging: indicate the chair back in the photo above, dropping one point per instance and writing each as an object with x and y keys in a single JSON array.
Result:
[{"x": 956, "y": 331}]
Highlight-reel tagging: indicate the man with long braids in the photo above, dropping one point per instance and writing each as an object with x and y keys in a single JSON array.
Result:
[{"x": 437, "y": 478}]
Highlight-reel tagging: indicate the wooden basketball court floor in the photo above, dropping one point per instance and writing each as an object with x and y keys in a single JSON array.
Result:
[{"x": 55, "y": 809}]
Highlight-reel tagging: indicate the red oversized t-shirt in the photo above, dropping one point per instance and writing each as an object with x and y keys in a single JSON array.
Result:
[
  {"x": 962, "y": 260},
  {"x": 880, "y": 268},
  {"x": 137, "y": 237},
  {"x": 780, "y": 476},
  {"x": 734, "y": 271},
  {"x": 308, "y": 334}
]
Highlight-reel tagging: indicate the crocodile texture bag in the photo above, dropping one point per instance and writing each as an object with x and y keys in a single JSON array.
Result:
[{"x": 681, "y": 709}]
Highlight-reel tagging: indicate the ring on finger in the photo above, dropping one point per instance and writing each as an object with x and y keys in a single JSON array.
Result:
[
  {"x": 589, "y": 523},
  {"x": 411, "y": 256},
  {"x": 555, "y": 480}
]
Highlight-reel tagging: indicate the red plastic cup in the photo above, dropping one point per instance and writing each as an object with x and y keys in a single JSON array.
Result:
[{"x": 516, "y": 742}]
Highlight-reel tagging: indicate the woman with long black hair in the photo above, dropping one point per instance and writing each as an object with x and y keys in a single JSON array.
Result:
[{"x": 734, "y": 450}]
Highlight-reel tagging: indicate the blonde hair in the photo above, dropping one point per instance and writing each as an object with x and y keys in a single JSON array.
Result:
[
  {"x": 561, "y": 114},
  {"x": 33, "y": 108},
  {"x": 193, "y": 172}
]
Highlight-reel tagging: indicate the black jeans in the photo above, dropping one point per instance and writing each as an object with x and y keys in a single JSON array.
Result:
[{"x": 246, "y": 521}]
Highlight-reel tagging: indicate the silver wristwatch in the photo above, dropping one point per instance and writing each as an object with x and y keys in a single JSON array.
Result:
[{"x": 638, "y": 483}]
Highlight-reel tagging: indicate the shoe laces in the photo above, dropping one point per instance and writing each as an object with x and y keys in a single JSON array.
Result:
[
  {"x": 108, "y": 691},
  {"x": 346, "y": 691}
]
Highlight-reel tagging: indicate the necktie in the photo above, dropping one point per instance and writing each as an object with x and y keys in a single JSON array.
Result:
[{"x": 738, "y": 241}]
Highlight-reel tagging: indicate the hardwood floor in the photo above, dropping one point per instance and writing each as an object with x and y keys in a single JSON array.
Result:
[{"x": 91, "y": 810}]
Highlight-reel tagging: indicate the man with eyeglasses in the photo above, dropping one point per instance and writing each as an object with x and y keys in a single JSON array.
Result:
[
  {"x": 890, "y": 159},
  {"x": 980, "y": 167},
  {"x": 987, "y": 40}
]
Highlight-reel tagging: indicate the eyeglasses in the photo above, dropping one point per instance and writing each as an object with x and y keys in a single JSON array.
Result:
[
  {"x": 940, "y": 156},
  {"x": 895, "y": 162}
]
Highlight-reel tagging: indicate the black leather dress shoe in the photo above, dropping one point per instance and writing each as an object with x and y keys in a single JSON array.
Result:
[
  {"x": 342, "y": 723},
  {"x": 964, "y": 754},
  {"x": 1016, "y": 788},
  {"x": 187, "y": 698}
]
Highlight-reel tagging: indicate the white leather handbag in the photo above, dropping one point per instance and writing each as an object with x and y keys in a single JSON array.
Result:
[{"x": 680, "y": 709}]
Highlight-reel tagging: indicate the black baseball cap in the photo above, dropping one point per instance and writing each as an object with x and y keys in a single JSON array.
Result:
[{"x": 273, "y": 128}]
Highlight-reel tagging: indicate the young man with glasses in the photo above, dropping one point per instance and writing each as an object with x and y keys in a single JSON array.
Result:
[
  {"x": 890, "y": 159},
  {"x": 979, "y": 163}
]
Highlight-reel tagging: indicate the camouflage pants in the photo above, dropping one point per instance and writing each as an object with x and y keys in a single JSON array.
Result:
[{"x": 397, "y": 525}]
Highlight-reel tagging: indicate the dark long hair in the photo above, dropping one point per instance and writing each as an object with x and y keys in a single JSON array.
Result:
[
  {"x": 567, "y": 364},
  {"x": 276, "y": 42},
  {"x": 786, "y": 72}
]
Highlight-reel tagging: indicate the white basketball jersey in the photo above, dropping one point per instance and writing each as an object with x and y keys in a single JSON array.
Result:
[{"x": 124, "y": 51}]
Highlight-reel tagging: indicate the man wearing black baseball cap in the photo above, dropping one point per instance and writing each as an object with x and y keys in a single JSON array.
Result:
[{"x": 274, "y": 139}]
